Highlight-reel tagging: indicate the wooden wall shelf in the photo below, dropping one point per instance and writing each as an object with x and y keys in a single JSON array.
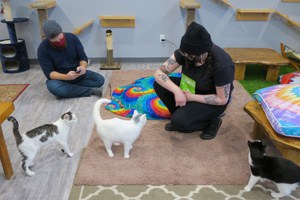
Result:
[
  {"x": 287, "y": 19},
  {"x": 261, "y": 14},
  {"x": 114, "y": 21},
  {"x": 42, "y": 7},
  {"x": 189, "y": 4},
  {"x": 77, "y": 31},
  {"x": 226, "y": 3},
  {"x": 291, "y": 1},
  {"x": 43, "y": 4},
  {"x": 253, "y": 14}
]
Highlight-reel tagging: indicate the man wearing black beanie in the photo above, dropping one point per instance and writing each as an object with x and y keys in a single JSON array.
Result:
[{"x": 198, "y": 98}]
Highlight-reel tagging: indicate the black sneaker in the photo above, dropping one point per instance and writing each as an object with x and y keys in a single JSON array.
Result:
[
  {"x": 169, "y": 127},
  {"x": 211, "y": 131}
]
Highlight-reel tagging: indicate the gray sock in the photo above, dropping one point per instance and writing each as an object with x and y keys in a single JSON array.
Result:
[{"x": 96, "y": 91}]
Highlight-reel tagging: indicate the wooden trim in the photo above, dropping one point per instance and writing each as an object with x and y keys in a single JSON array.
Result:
[
  {"x": 189, "y": 4},
  {"x": 77, "y": 31},
  {"x": 253, "y": 14},
  {"x": 43, "y": 4},
  {"x": 287, "y": 19},
  {"x": 117, "y": 21}
]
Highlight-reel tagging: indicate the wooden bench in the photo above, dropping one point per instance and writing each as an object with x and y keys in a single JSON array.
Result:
[
  {"x": 288, "y": 146},
  {"x": 6, "y": 108},
  {"x": 268, "y": 57}
]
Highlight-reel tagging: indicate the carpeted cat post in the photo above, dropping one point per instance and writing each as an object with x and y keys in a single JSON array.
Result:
[
  {"x": 110, "y": 64},
  {"x": 13, "y": 51}
]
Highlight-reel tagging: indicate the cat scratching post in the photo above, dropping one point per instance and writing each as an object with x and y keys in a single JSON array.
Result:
[
  {"x": 41, "y": 6},
  {"x": 191, "y": 6},
  {"x": 110, "y": 63}
]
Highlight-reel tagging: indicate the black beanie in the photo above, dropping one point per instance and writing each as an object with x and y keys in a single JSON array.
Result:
[{"x": 196, "y": 40}]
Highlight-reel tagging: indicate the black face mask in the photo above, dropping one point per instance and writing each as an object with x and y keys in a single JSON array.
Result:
[{"x": 190, "y": 62}]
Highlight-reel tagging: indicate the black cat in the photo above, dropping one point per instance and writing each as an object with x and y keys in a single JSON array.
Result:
[{"x": 284, "y": 173}]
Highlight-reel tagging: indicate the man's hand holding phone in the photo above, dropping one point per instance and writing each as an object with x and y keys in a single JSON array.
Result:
[{"x": 80, "y": 70}]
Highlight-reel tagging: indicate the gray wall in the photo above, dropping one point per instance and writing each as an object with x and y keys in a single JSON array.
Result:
[{"x": 155, "y": 17}]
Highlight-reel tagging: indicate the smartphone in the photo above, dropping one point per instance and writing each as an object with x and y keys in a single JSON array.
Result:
[{"x": 78, "y": 71}]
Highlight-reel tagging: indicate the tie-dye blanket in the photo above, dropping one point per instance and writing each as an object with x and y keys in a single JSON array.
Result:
[
  {"x": 139, "y": 96},
  {"x": 281, "y": 104}
]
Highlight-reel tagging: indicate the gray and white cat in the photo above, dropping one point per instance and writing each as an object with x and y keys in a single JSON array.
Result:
[
  {"x": 284, "y": 173},
  {"x": 114, "y": 131},
  {"x": 30, "y": 142}
]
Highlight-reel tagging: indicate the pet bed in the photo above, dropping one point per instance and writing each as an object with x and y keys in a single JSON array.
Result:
[
  {"x": 139, "y": 96},
  {"x": 281, "y": 104}
]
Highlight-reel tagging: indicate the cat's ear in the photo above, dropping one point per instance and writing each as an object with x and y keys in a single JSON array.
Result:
[
  {"x": 249, "y": 143},
  {"x": 68, "y": 110},
  {"x": 135, "y": 113},
  {"x": 263, "y": 145},
  {"x": 144, "y": 116}
]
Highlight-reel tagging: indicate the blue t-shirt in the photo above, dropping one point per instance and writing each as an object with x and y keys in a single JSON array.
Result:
[{"x": 61, "y": 60}]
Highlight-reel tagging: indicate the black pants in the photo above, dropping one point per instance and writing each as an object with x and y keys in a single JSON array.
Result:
[{"x": 193, "y": 116}]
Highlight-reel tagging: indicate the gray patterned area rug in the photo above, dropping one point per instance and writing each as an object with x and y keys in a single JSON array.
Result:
[{"x": 261, "y": 191}]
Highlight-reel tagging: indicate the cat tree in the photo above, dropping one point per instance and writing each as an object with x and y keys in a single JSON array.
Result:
[{"x": 13, "y": 51}]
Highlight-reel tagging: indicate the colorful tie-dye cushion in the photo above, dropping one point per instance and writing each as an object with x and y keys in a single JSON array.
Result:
[
  {"x": 139, "y": 96},
  {"x": 281, "y": 104},
  {"x": 290, "y": 78}
]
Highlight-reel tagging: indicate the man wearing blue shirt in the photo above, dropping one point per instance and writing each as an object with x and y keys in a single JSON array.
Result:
[{"x": 64, "y": 62}]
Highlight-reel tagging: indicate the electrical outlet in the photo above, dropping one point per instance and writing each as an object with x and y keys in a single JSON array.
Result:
[{"x": 162, "y": 38}]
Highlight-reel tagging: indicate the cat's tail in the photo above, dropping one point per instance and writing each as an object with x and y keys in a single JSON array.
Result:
[
  {"x": 96, "y": 111},
  {"x": 16, "y": 132}
]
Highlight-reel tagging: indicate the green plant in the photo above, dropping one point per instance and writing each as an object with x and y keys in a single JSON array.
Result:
[{"x": 255, "y": 77}]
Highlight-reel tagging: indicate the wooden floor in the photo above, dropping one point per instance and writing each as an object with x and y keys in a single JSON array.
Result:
[{"x": 54, "y": 171}]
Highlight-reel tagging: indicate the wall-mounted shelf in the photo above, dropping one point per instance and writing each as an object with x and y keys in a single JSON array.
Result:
[
  {"x": 41, "y": 7},
  {"x": 225, "y": 2},
  {"x": 291, "y": 1},
  {"x": 77, "y": 31},
  {"x": 189, "y": 4},
  {"x": 253, "y": 14},
  {"x": 261, "y": 14},
  {"x": 114, "y": 21},
  {"x": 287, "y": 19},
  {"x": 43, "y": 4}
]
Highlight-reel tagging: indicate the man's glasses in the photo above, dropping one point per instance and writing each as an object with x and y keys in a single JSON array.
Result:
[{"x": 188, "y": 56}]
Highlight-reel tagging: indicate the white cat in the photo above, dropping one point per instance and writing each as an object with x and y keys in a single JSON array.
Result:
[
  {"x": 284, "y": 173},
  {"x": 116, "y": 130},
  {"x": 30, "y": 142}
]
